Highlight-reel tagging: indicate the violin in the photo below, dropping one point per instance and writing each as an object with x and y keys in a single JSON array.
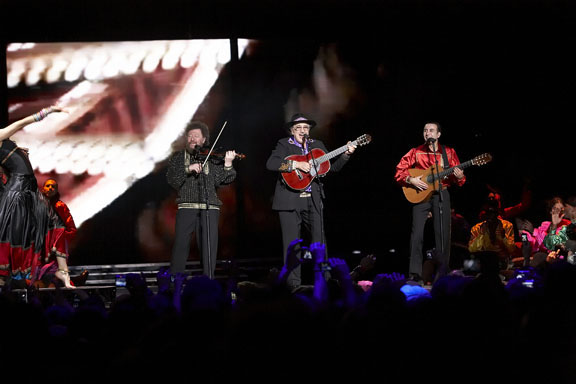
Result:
[{"x": 202, "y": 153}]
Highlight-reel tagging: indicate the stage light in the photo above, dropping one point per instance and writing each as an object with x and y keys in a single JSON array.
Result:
[
  {"x": 207, "y": 59},
  {"x": 55, "y": 72},
  {"x": 93, "y": 70},
  {"x": 75, "y": 69},
  {"x": 45, "y": 148},
  {"x": 113, "y": 152},
  {"x": 63, "y": 166},
  {"x": 96, "y": 167},
  {"x": 131, "y": 153},
  {"x": 170, "y": 62},
  {"x": 153, "y": 58},
  {"x": 144, "y": 168},
  {"x": 242, "y": 45},
  {"x": 15, "y": 71},
  {"x": 223, "y": 54},
  {"x": 47, "y": 165},
  {"x": 79, "y": 151},
  {"x": 14, "y": 107},
  {"x": 79, "y": 166},
  {"x": 133, "y": 62},
  {"x": 172, "y": 57},
  {"x": 190, "y": 55},
  {"x": 13, "y": 47},
  {"x": 32, "y": 78},
  {"x": 13, "y": 79},
  {"x": 112, "y": 67},
  {"x": 96, "y": 151}
]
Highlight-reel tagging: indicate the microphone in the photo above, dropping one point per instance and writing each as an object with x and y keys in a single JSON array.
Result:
[
  {"x": 305, "y": 137},
  {"x": 430, "y": 140}
]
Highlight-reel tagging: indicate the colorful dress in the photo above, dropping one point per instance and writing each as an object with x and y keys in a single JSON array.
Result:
[
  {"x": 536, "y": 238},
  {"x": 31, "y": 233},
  {"x": 558, "y": 237}
]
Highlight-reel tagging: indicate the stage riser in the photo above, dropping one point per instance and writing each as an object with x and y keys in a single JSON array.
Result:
[
  {"x": 105, "y": 275},
  {"x": 102, "y": 279}
]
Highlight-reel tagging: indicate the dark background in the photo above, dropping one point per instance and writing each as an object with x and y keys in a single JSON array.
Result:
[{"x": 498, "y": 75}]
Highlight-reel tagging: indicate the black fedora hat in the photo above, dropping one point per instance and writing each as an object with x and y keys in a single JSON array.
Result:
[{"x": 299, "y": 118}]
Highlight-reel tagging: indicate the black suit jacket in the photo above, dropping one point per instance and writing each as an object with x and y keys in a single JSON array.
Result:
[{"x": 285, "y": 198}]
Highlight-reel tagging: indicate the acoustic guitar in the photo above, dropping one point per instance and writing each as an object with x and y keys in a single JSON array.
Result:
[
  {"x": 319, "y": 164},
  {"x": 432, "y": 177}
]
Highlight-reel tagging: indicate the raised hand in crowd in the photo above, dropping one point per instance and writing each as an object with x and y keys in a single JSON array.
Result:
[
  {"x": 341, "y": 272},
  {"x": 392, "y": 279},
  {"x": 556, "y": 217},
  {"x": 524, "y": 225},
  {"x": 320, "y": 266},
  {"x": 292, "y": 260}
]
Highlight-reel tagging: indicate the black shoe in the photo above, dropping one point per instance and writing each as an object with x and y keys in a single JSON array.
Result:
[{"x": 80, "y": 279}]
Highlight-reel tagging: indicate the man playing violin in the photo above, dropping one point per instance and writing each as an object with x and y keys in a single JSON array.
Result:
[
  {"x": 299, "y": 209},
  {"x": 197, "y": 180}
]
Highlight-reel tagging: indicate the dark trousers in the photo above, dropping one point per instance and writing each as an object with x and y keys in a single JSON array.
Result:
[
  {"x": 305, "y": 217},
  {"x": 419, "y": 216},
  {"x": 189, "y": 221}
]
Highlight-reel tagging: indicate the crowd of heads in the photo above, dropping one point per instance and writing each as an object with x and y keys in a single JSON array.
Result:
[{"x": 462, "y": 329}]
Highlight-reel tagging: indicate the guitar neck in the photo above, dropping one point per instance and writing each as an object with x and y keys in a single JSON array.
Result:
[
  {"x": 334, "y": 153},
  {"x": 449, "y": 171}
]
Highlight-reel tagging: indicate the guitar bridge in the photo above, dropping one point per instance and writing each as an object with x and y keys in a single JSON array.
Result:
[{"x": 299, "y": 174}]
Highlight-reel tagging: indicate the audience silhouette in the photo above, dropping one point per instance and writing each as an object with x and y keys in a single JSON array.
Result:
[{"x": 464, "y": 328}]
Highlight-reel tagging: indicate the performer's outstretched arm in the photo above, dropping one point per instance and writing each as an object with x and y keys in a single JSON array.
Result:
[{"x": 7, "y": 132}]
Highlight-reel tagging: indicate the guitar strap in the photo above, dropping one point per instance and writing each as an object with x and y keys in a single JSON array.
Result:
[{"x": 445, "y": 158}]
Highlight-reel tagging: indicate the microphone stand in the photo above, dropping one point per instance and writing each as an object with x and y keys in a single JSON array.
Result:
[
  {"x": 322, "y": 196},
  {"x": 441, "y": 198},
  {"x": 204, "y": 178},
  {"x": 207, "y": 208},
  {"x": 207, "y": 221}
]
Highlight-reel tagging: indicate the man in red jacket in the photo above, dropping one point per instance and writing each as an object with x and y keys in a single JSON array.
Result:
[{"x": 428, "y": 155}]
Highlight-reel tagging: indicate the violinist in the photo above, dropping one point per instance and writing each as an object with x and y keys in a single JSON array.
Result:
[{"x": 196, "y": 179}]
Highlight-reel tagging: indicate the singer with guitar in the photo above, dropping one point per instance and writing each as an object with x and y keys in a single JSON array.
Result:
[
  {"x": 300, "y": 208},
  {"x": 430, "y": 155}
]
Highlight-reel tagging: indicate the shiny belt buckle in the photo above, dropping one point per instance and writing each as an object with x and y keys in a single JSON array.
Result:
[{"x": 305, "y": 194}]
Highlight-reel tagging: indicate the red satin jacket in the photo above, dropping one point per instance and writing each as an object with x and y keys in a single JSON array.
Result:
[{"x": 422, "y": 158}]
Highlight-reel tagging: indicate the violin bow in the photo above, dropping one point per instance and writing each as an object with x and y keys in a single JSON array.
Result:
[{"x": 213, "y": 145}]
